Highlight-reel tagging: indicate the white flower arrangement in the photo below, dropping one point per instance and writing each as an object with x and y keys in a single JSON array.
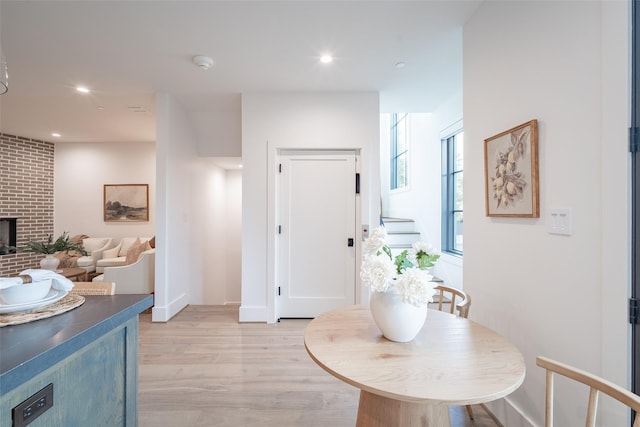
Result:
[{"x": 406, "y": 275}]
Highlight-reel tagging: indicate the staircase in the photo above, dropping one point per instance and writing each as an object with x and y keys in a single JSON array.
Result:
[{"x": 400, "y": 233}]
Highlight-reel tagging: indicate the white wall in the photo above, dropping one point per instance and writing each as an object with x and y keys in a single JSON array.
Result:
[
  {"x": 305, "y": 120},
  {"x": 80, "y": 172},
  {"x": 217, "y": 209},
  {"x": 565, "y": 64},
  {"x": 197, "y": 257},
  {"x": 233, "y": 236},
  {"x": 199, "y": 203},
  {"x": 216, "y": 121},
  {"x": 179, "y": 271},
  {"x": 208, "y": 192},
  {"x": 226, "y": 136}
]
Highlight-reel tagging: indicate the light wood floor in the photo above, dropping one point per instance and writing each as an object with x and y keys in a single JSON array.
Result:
[{"x": 203, "y": 368}]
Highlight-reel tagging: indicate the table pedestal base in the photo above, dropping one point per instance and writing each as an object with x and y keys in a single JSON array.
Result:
[{"x": 379, "y": 411}]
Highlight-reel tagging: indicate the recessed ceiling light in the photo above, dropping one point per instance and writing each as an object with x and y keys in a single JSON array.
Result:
[
  {"x": 100, "y": 107},
  {"x": 56, "y": 135},
  {"x": 326, "y": 59},
  {"x": 82, "y": 89},
  {"x": 400, "y": 64}
]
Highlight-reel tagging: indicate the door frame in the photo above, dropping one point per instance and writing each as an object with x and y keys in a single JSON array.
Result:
[
  {"x": 635, "y": 192},
  {"x": 274, "y": 152}
]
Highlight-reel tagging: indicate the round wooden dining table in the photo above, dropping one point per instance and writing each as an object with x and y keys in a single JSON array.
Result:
[{"x": 452, "y": 361}]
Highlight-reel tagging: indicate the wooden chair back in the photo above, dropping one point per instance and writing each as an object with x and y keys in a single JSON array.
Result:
[
  {"x": 596, "y": 384},
  {"x": 93, "y": 288},
  {"x": 456, "y": 299}
]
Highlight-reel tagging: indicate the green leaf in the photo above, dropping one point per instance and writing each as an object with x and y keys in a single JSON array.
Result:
[
  {"x": 62, "y": 243},
  {"x": 426, "y": 261},
  {"x": 387, "y": 251},
  {"x": 402, "y": 262}
]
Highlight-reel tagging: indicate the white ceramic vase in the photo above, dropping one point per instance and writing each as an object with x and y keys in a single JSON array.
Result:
[
  {"x": 398, "y": 320},
  {"x": 49, "y": 262}
]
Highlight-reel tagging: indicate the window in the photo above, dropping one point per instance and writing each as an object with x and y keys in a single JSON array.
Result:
[
  {"x": 399, "y": 151},
  {"x": 452, "y": 179}
]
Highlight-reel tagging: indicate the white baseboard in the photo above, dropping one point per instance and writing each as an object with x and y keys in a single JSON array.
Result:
[
  {"x": 165, "y": 313},
  {"x": 507, "y": 414},
  {"x": 253, "y": 314}
]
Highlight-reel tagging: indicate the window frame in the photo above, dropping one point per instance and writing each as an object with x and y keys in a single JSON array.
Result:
[
  {"x": 395, "y": 155},
  {"x": 449, "y": 211}
]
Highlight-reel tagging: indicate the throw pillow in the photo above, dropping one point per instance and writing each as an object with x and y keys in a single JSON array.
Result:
[
  {"x": 78, "y": 238},
  {"x": 152, "y": 242},
  {"x": 134, "y": 252},
  {"x": 91, "y": 244},
  {"x": 126, "y": 243}
]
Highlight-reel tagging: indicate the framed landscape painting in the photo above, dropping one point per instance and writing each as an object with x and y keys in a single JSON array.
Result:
[
  {"x": 511, "y": 172},
  {"x": 126, "y": 202}
]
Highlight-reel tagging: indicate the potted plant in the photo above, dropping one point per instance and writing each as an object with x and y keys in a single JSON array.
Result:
[
  {"x": 401, "y": 286},
  {"x": 49, "y": 247}
]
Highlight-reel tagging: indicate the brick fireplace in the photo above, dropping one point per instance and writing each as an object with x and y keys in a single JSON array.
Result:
[{"x": 26, "y": 194}]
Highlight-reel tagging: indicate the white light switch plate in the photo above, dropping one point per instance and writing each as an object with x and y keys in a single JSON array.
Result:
[{"x": 560, "y": 221}]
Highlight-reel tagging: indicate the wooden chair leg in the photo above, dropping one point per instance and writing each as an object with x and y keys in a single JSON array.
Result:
[{"x": 470, "y": 411}]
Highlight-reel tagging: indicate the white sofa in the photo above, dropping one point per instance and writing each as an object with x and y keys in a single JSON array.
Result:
[
  {"x": 116, "y": 256},
  {"x": 95, "y": 247},
  {"x": 136, "y": 278}
]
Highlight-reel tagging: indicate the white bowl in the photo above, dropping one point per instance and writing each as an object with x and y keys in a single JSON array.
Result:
[{"x": 25, "y": 293}]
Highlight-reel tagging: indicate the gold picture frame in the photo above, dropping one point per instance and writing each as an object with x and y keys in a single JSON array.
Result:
[
  {"x": 511, "y": 172},
  {"x": 126, "y": 202}
]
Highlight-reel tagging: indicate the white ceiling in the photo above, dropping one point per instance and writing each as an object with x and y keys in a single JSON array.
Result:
[{"x": 126, "y": 51}]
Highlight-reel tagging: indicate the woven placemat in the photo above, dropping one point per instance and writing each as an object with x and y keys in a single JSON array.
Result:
[{"x": 67, "y": 303}]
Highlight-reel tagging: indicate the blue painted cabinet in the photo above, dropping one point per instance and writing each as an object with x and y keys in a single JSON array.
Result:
[
  {"x": 95, "y": 386},
  {"x": 94, "y": 373}
]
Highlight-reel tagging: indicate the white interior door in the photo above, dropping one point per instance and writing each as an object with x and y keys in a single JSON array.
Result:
[{"x": 317, "y": 211}]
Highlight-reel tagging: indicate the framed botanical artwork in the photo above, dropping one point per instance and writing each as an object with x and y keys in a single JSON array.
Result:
[
  {"x": 511, "y": 172},
  {"x": 126, "y": 202}
]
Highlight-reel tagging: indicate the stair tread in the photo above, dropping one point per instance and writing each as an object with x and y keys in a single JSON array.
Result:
[
  {"x": 385, "y": 219},
  {"x": 402, "y": 232}
]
